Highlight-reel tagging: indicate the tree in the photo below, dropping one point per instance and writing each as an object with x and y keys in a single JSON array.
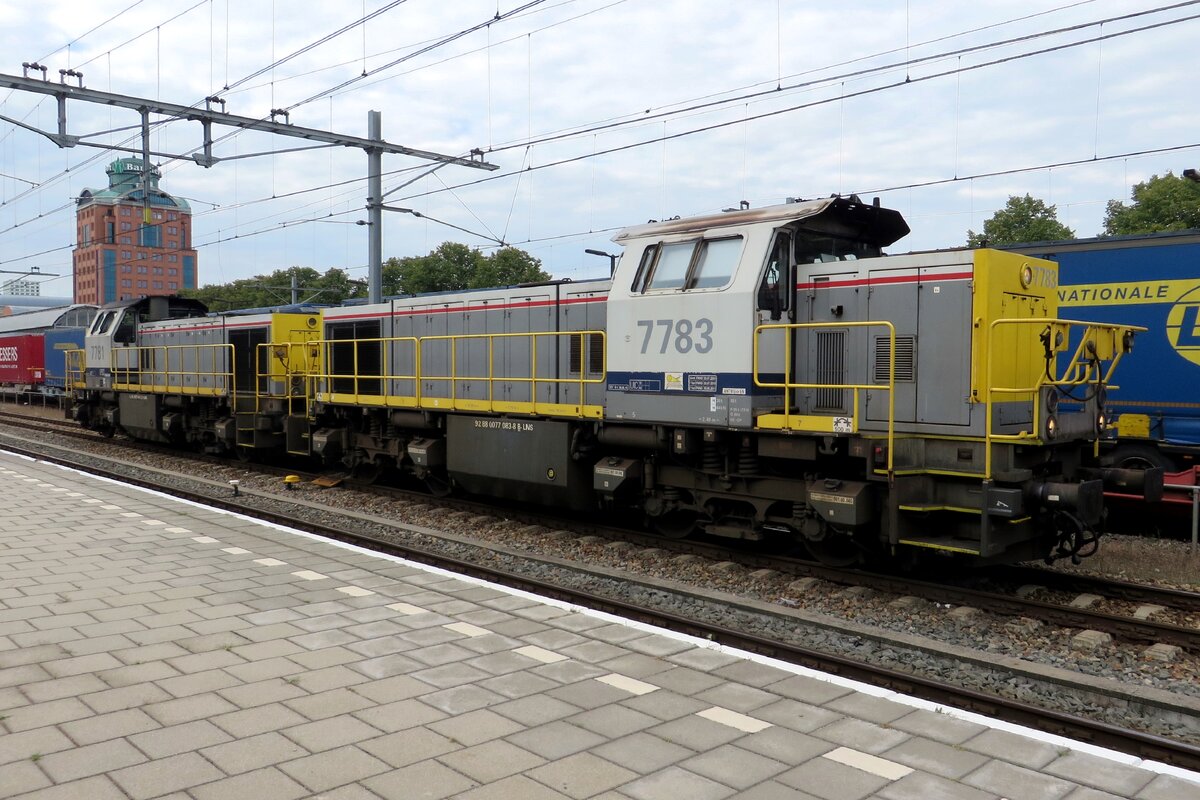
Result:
[
  {"x": 275, "y": 289},
  {"x": 1023, "y": 219},
  {"x": 453, "y": 267},
  {"x": 1164, "y": 203}
]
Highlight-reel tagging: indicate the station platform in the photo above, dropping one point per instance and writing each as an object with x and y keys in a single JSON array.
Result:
[{"x": 154, "y": 648}]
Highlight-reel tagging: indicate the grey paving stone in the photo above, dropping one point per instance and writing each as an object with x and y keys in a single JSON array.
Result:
[
  {"x": 329, "y": 733},
  {"x": 518, "y": 684},
  {"x": 873, "y": 709},
  {"x": 475, "y": 727},
  {"x": 535, "y": 710},
  {"x": 63, "y": 687},
  {"x": 399, "y": 687},
  {"x": 941, "y": 727},
  {"x": 165, "y": 775},
  {"x": 685, "y": 680},
  {"x": 491, "y": 761},
  {"x": 449, "y": 675},
  {"x": 923, "y": 786},
  {"x": 1011, "y": 747},
  {"x": 330, "y": 656},
  {"x": 568, "y": 671},
  {"x": 99, "y": 787},
  {"x": 253, "y": 752},
  {"x": 589, "y": 694},
  {"x": 1008, "y": 780},
  {"x": 162, "y": 742},
  {"x": 54, "y": 712},
  {"x": 21, "y": 746},
  {"x": 409, "y": 746},
  {"x": 251, "y": 721},
  {"x": 665, "y": 705},
  {"x": 272, "y": 690},
  {"x": 428, "y": 780},
  {"x": 1086, "y": 793},
  {"x": 796, "y": 715},
  {"x": 935, "y": 757},
  {"x": 461, "y": 699},
  {"x": 737, "y": 697},
  {"x": 385, "y": 666},
  {"x": 673, "y": 783},
  {"x": 20, "y": 777},
  {"x": 123, "y": 697},
  {"x": 582, "y": 775},
  {"x": 1100, "y": 773},
  {"x": 186, "y": 709},
  {"x": 782, "y": 744},
  {"x": 860, "y": 735},
  {"x": 832, "y": 781},
  {"x": 109, "y": 726},
  {"x": 613, "y": 721},
  {"x": 1164, "y": 787},
  {"x": 138, "y": 673},
  {"x": 734, "y": 766},
  {"x": 555, "y": 739},
  {"x": 264, "y": 784},
  {"x": 514, "y": 787},
  {"x": 696, "y": 733},
  {"x": 208, "y": 681},
  {"x": 558, "y": 640},
  {"x": 93, "y": 759},
  {"x": 807, "y": 690}
]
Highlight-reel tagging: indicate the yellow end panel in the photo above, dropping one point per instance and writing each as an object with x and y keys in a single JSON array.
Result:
[
  {"x": 1010, "y": 286},
  {"x": 1133, "y": 426},
  {"x": 289, "y": 332}
]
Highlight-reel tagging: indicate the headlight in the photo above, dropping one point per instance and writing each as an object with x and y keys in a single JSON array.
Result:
[
  {"x": 1051, "y": 427},
  {"x": 1101, "y": 422}
]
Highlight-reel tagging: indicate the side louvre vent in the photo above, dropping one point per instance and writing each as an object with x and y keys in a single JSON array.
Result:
[
  {"x": 830, "y": 368},
  {"x": 906, "y": 348},
  {"x": 595, "y": 353}
]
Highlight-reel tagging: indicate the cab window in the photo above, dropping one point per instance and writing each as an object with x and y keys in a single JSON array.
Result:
[
  {"x": 103, "y": 322},
  {"x": 683, "y": 266},
  {"x": 126, "y": 329},
  {"x": 774, "y": 292}
]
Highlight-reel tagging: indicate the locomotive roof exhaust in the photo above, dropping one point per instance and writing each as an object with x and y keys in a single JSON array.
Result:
[{"x": 846, "y": 216}]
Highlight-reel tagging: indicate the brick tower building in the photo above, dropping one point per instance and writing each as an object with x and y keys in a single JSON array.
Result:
[{"x": 121, "y": 255}]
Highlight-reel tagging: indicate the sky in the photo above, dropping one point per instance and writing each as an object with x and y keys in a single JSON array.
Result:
[{"x": 599, "y": 114}]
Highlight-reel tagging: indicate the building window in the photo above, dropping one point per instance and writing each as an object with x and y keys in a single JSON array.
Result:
[
  {"x": 126, "y": 283},
  {"x": 172, "y": 285},
  {"x": 158, "y": 284},
  {"x": 157, "y": 270},
  {"x": 157, "y": 215},
  {"x": 125, "y": 226},
  {"x": 173, "y": 258},
  {"x": 125, "y": 240},
  {"x": 141, "y": 284},
  {"x": 172, "y": 229},
  {"x": 172, "y": 271},
  {"x": 126, "y": 254},
  {"x": 173, "y": 244},
  {"x": 126, "y": 269},
  {"x": 156, "y": 257},
  {"x": 171, "y": 215},
  {"x": 141, "y": 256},
  {"x": 126, "y": 211}
]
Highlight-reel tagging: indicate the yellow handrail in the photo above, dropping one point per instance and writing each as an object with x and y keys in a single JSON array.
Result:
[
  {"x": 324, "y": 378},
  {"x": 75, "y": 369},
  {"x": 1083, "y": 368},
  {"x": 159, "y": 376},
  {"x": 788, "y": 385}
]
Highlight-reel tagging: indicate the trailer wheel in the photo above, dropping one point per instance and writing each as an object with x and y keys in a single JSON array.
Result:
[{"x": 1141, "y": 456}]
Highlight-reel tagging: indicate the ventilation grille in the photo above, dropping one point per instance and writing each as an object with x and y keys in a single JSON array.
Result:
[
  {"x": 595, "y": 355},
  {"x": 830, "y": 368},
  {"x": 906, "y": 348}
]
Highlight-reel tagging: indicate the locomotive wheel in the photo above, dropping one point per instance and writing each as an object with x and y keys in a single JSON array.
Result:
[
  {"x": 676, "y": 524},
  {"x": 836, "y": 549},
  {"x": 438, "y": 487},
  {"x": 367, "y": 472}
]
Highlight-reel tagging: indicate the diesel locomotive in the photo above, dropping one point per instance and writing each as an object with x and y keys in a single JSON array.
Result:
[{"x": 750, "y": 374}]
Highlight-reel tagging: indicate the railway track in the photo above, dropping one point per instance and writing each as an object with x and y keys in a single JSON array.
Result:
[{"x": 1145, "y": 745}]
